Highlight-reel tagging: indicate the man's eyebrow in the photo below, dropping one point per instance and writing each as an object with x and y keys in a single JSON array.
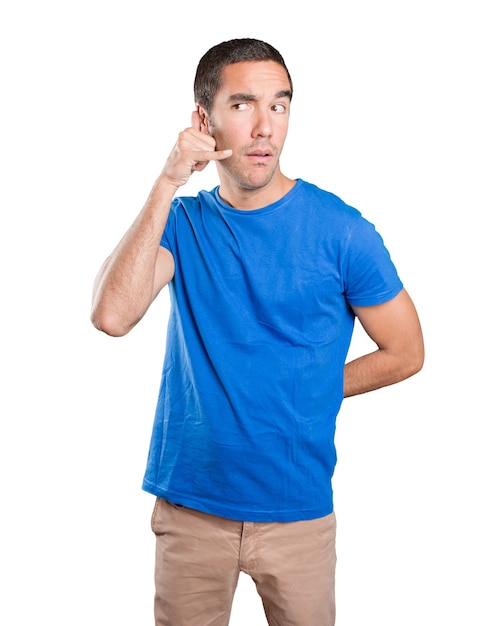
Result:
[
  {"x": 248, "y": 97},
  {"x": 241, "y": 97}
]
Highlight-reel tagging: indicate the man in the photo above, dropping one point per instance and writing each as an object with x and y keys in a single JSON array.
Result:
[{"x": 266, "y": 276}]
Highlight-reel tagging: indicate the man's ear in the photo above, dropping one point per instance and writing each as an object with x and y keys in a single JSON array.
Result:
[{"x": 203, "y": 118}]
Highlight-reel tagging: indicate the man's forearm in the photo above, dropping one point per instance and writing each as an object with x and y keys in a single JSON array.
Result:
[
  {"x": 376, "y": 370},
  {"x": 124, "y": 287}
]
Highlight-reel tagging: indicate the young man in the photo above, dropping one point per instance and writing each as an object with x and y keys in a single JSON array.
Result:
[{"x": 266, "y": 277}]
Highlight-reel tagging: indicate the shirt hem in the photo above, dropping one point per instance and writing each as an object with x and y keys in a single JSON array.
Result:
[{"x": 241, "y": 515}]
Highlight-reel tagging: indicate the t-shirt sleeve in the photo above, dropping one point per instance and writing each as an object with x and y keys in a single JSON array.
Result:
[
  {"x": 370, "y": 275},
  {"x": 168, "y": 236}
]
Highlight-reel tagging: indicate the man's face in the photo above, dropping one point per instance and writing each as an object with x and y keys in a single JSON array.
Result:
[{"x": 250, "y": 115}]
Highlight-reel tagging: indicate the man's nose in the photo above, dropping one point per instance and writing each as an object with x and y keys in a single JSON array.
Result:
[{"x": 263, "y": 124}]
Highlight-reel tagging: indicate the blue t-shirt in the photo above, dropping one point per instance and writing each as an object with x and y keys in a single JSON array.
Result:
[{"x": 258, "y": 334}]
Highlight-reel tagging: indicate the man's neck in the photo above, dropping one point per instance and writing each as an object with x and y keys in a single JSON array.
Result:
[{"x": 251, "y": 199}]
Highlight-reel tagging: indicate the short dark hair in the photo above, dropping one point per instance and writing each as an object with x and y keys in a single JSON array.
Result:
[{"x": 208, "y": 73}]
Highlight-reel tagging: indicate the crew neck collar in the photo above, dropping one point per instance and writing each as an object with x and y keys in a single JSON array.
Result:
[{"x": 265, "y": 209}]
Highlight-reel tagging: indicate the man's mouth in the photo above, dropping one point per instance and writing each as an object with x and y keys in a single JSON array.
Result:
[{"x": 260, "y": 155}]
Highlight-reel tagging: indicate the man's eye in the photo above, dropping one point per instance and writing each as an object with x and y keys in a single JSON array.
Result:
[
  {"x": 241, "y": 106},
  {"x": 279, "y": 108}
]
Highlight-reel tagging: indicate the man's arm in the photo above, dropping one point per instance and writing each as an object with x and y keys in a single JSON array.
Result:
[
  {"x": 138, "y": 268},
  {"x": 395, "y": 328}
]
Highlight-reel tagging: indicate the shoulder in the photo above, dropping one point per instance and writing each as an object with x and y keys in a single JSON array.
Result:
[
  {"x": 193, "y": 203},
  {"x": 328, "y": 211},
  {"x": 323, "y": 199}
]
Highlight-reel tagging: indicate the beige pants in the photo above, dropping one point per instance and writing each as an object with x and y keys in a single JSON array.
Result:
[{"x": 199, "y": 558}]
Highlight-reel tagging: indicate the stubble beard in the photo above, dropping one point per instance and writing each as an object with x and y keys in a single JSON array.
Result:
[{"x": 252, "y": 177}]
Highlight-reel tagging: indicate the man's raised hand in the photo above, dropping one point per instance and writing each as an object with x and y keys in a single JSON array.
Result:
[{"x": 192, "y": 152}]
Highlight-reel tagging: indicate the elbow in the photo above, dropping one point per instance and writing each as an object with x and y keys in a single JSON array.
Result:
[
  {"x": 414, "y": 368},
  {"x": 406, "y": 364},
  {"x": 109, "y": 324},
  {"x": 415, "y": 362}
]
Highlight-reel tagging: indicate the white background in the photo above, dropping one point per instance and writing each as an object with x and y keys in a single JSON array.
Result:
[{"x": 388, "y": 113}]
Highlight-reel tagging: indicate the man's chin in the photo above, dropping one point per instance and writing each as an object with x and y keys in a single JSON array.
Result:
[{"x": 258, "y": 178}]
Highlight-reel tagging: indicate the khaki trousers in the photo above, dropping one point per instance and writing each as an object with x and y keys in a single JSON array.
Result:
[{"x": 199, "y": 558}]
